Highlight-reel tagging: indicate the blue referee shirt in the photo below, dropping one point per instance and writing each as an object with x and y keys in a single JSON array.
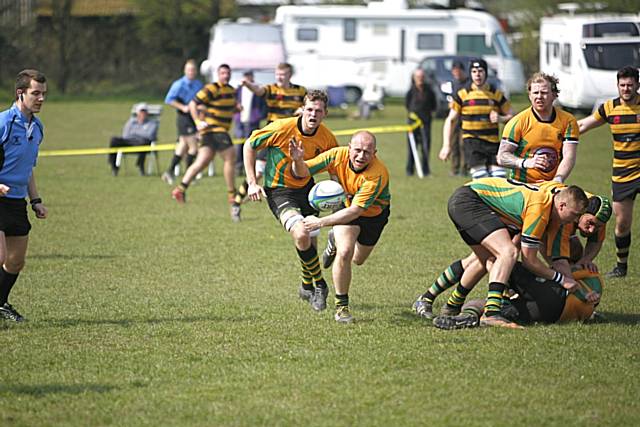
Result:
[
  {"x": 21, "y": 140},
  {"x": 183, "y": 90}
]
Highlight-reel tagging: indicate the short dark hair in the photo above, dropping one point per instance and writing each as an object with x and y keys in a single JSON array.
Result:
[
  {"x": 628, "y": 71},
  {"x": 317, "y": 95},
  {"x": 224, "y": 66},
  {"x": 24, "y": 77}
]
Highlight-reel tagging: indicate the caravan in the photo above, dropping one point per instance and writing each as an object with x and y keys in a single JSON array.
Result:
[
  {"x": 385, "y": 41},
  {"x": 244, "y": 45},
  {"x": 585, "y": 52}
]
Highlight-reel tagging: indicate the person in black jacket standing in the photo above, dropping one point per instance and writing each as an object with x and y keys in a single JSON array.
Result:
[{"x": 420, "y": 101}]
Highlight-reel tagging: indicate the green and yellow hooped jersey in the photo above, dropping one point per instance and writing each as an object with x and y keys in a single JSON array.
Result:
[{"x": 275, "y": 138}]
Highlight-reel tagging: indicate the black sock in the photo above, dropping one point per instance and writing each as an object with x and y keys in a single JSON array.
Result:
[
  {"x": 7, "y": 280},
  {"x": 342, "y": 300},
  {"x": 190, "y": 159},
  {"x": 175, "y": 161},
  {"x": 623, "y": 243}
]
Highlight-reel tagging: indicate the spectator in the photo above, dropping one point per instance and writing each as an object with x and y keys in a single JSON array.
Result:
[
  {"x": 458, "y": 165},
  {"x": 248, "y": 119},
  {"x": 138, "y": 131},
  {"x": 420, "y": 101}
]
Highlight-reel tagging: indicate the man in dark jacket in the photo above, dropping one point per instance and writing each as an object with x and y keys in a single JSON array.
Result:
[{"x": 420, "y": 101}]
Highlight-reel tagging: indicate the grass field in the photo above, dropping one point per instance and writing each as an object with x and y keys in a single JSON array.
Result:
[{"x": 144, "y": 312}]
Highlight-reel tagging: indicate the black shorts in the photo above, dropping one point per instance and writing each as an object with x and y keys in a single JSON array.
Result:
[
  {"x": 217, "y": 141},
  {"x": 185, "y": 125},
  {"x": 281, "y": 199},
  {"x": 479, "y": 153},
  {"x": 14, "y": 220},
  {"x": 625, "y": 190},
  {"x": 538, "y": 300},
  {"x": 371, "y": 227},
  {"x": 473, "y": 219}
]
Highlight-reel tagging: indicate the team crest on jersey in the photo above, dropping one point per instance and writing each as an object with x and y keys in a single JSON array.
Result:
[{"x": 616, "y": 120}]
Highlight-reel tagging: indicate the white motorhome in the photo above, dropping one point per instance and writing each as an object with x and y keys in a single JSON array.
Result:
[
  {"x": 351, "y": 45},
  {"x": 585, "y": 52},
  {"x": 244, "y": 45}
]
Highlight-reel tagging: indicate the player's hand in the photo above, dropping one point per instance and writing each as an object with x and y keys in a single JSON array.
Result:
[
  {"x": 536, "y": 162},
  {"x": 588, "y": 265},
  {"x": 295, "y": 150},
  {"x": 201, "y": 124},
  {"x": 185, "y": 109},
  {"x": 3, "y": 189},
  {"x": 256, "y": 193},
  {"x": 570, "y": 284},
  {"x": 493, "y": 116},
  {"x": 444, "y": 153},
  {"x": 40, "y": 210},
  {"x": 593, "y": 297},
  {"x": 311, "y": 223}
]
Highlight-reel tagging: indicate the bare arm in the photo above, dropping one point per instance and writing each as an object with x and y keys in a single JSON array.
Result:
[
  {"x": 589, "y": 123},
  {"x": 532, "y": 263},
  {"x": 569, "y": 152},
  {"x": 447, "y": 132},
  {"x": 39, "y": 208},
  {"x": 343, "y": 216},
  {"x": 505, "y": 156},
  {"x": 255, "y": 191},
  {"x": 180, "y": 106},
  {"x": 193, "y": 110},
  {"x": 591, "y": 250},
  {"x": 256, "y": 89}
]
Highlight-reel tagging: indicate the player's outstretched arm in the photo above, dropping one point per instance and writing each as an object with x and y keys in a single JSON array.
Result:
[
  {"x": 569, "y": 153},
  {"x": 343, "y": 216},
  {"x": 255, "y": 192},
  {"x": 589, "y": 123},
  {"x": 447, "y": 131}
]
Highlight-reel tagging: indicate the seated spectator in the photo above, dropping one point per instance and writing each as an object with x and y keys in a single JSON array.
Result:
[
  {"x": 138, "y": 131},
  {"x": 371, "y": 99}
]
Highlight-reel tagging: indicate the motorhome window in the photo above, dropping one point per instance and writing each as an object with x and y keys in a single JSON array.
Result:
[
  {"x": 547, "y": 51},
  {"x": 430, "y": 42},
  {"x": 606, "y": 29},
  {"x": 611, "y": 56},
  {"x": 474, "y": 45},
  {"x": 500, "y": 42},
  {"x": 556, "y": 49},
  {"x": 566, "y": 54},
  {"x": 307, "y": 34},
  {"x": 249, "y": 33},
  {"x": 349, "y": 30}
]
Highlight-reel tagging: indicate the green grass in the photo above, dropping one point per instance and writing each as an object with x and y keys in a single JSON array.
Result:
[{"x": 143, "y": 312}]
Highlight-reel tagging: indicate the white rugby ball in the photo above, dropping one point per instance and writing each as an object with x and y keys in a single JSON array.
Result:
[{"x": 326, "y": 195}]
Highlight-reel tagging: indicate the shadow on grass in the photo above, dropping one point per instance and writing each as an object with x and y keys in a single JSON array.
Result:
[
  {"x": 70, "y": 257},
  {"x": 68, "y": 323},
  {"x": 620, "y": 318},
  {"x": 47, "y": 389}
]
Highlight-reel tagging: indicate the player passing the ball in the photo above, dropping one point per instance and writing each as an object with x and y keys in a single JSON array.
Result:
[
  {"x": 357, "y": 227},
  {"x": 287, "y": 193},
  {"x": 541, "y": 142}
]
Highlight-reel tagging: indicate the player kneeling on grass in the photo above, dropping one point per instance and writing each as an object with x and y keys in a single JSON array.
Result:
[
  {"x": 536, "y": 300},
  {"x": 356, "y": 228}
]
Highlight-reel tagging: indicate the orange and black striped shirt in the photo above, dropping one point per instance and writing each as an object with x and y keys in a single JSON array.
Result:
[
  {"x": 219, "y": 102},
  {"x": 474, "y": 104},
  {"x": 283, "y": 102},
  {"x": 624, "y": 122}
]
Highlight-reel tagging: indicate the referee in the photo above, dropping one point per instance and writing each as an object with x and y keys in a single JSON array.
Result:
[{"x": 21, "y": 134}]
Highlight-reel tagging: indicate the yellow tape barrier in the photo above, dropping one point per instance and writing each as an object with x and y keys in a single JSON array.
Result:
[{"x": 169, "y": 147}]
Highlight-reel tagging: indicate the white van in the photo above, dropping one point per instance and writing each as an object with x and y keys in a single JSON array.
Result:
[
  {"x": 350, "y": 45},
  {"x": 244, "y": 45},
  {"x": 585, "y": 52}
]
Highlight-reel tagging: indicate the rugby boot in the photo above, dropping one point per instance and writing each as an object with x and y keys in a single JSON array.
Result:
[
  {"x": 461, "y": 321},
  {"x": 319, "y": 298},
  {"x": 8, "y": 312},
  {"x": 343, "y": 315},
  {"x": 423, "y": 308}
]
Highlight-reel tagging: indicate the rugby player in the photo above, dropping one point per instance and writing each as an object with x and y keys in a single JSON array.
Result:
[
  {"x": 480, "y": 106},
  {"x": 623, "y": 116},
  {"x": 212, "y": 111},
  {"x": 21, "y": 134},
  {"x": 482, "y": 210},
  {"x": 287, "y": 193},
  {"x": 283, "y": 99},
  {"x": 357, "y": 227},
  {"x": 541, "y": 142}
]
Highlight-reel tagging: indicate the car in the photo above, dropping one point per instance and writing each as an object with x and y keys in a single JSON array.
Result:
[{"x": 438, "y": 75}]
